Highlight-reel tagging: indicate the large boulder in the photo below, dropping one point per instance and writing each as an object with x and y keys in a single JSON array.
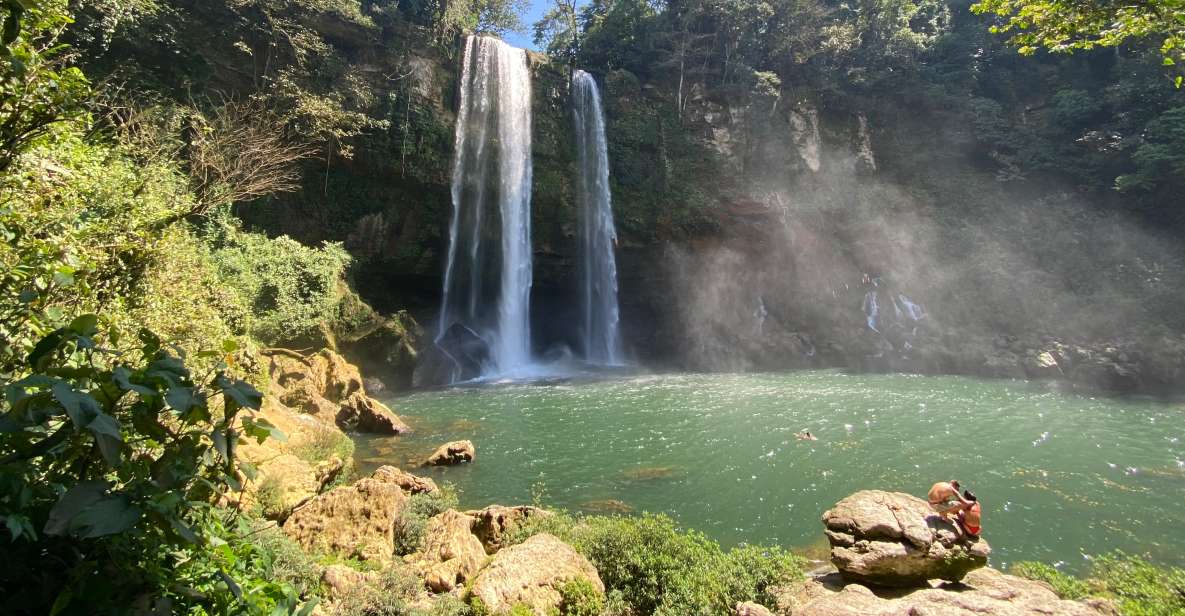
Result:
[
  {"x": 895, "y": 539},
  {"x": 448, "y": 454},
  {"x": 983, "y": 591},
  {"x": 493, "y": 523},
  {"x": 356, "y": 521},
  {"x": 532, "y": 573},
  {"x": 450, "y": 554},
  {"x": 365, "y": 414}
]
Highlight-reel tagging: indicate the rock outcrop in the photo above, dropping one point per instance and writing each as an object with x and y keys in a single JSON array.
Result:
[
  {"x": 412, "y": 484},
  {"x": 895, "y": 539},
  {"x": 492, "y": 523},
  {"x": 356, "y": 521},
  {"x": 450, "y": 553},
  {"x": 531, "y": 573},
  {"x": 329, "y": 388},
  {"x": 448, "y": 454},
  {"x": 983, "y": 591}
]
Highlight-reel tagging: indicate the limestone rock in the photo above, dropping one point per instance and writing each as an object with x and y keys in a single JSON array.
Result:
[
  {"x": 340, "y": 579},
  {"x": 1042, "y": 365},
  {"x": 532, "y": 573},
  {"x": 412, "y": 484},
  {"x": 983, "y": 591},
  {"x": 894, "y": 539},
  {"x": 492, "y": 523},
  {"x": 355, "y": 521},
  {"x": 450, "y": 554},
  {"x": 455, "y": 452},
  {"x": 287, "y": 482},
  {"x": 365, "y": 414},
  {"x": 748, "y": 608}
]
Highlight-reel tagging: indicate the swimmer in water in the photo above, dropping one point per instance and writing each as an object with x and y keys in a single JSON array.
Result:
[
  {"x": 969, "y": 517},
  {"x": 945, "y": 498},
  {"x": 806, "y": 435}
]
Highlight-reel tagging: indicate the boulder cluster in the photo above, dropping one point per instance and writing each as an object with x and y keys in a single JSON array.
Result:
[{"x": 895, "y": 556}]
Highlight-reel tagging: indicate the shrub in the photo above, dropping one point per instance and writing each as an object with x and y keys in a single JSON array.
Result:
[
  {"x": 659, "y": 569},
  {"x": 291, "y": 289},
  {"x": 388, "y": 596},
  {"x": 1142, "y": 589},
  {"x": 109, "y": 468},
  {"x": 580, "y": 598},
  {"x": 1066, "y": 586},
  {"x": 409, "y": 528}
]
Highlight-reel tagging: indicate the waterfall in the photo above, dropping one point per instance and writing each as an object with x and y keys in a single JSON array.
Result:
[
  {"x": 598, "y": 266},
  {"x": 493, "y": 138}
]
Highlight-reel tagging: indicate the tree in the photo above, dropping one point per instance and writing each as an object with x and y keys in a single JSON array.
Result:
[
  {"x": 558, "y": 32},
  {"x": 1069, "y": 25}
]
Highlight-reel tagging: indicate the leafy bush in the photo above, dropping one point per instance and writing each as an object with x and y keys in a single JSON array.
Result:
[
  {"x": 656, "y": 568},
  {"x": 1142, "y": 589},
  {"x": 409, "y": 528},
  {"x": 580, "y": 598},
  {"x": 109, "y": 473},
  {"x": 291, "y": 289},
  {"x": 1066, "y": 586},
  {"x": 388, "y": 596}
]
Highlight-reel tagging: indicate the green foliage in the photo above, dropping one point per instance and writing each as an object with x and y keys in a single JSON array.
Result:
[
  {"x": 1160, "y": 159},
  {"x": 1070, "y": 25},
  {"x": 657, "y": 568},
  {"x": 389, "y": 595},
  {"x": 413, "y": 519},
  {"x": 580, "y": 598},
  {"x": 38, "y": 87},
  {"x": 1066, "y": 586},
  {"x": 290, "y": 289},
  {"x": 1142, "y": 589},
  {"x": 110, "y": 464},
  {"x": 1139, "y": 587}
]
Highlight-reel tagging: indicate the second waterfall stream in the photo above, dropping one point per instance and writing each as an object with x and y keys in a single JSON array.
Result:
[{"x": 598, "y": 238}]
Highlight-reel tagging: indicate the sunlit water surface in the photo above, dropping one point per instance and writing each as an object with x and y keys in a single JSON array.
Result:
[{"x": 1061, "y": 477}]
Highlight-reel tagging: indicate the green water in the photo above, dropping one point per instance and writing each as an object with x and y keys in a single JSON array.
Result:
[{"x": 1061, "y": 477}]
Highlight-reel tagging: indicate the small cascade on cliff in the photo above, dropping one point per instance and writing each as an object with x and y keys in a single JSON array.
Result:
[
  {"x": 491, "y": 168},
  {"x": 598, "y": 265},
  {"x": 759, "y": 316},
  {"x": 871, "y": 306}
]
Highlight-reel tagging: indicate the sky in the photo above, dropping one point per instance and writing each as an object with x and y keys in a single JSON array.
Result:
[{"x": 535, "y": 11}]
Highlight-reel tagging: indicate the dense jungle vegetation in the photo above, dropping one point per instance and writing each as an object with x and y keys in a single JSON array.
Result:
[{"x": 180, "y": 181}]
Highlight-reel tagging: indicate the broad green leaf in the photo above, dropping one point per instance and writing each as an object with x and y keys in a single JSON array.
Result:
[
  {"x": 85, "y": 325},
  {"x": 73, "y": 502},
  {"x": 181, "y": 399},
  {"x": 240, "y": 391},
  {"x": 43, "y": 351},
  {"x": 262, "y": 430},
  {"x": 123, "y": 378},
  {"x": 111, "y": 515},
  {"x": 108, "y": 436},
  {"x": 80, "y": 406}
]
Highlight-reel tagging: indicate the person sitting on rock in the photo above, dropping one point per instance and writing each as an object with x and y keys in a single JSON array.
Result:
[
  {"x": 945, "y": 498},
  {"x": 969, "y": 517}
]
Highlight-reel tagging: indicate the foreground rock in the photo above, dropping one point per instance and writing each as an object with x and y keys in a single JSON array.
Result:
[
  {"x": 493, "y": 523},
  {"x": 748, "y": 608},
  {"x": 983, "y": 591},
  {"x": 894, "y": 539},
  {"x": 456, "y": 452},
  {"x": 531, "y": 573},
  {"x": 355, "y": 521},
  {"x": 450, "y": 554}
]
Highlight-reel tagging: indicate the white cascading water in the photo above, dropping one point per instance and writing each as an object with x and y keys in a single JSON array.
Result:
[
  {"x": 493, "y": 125},
  {"x": 598, "y": 237}
]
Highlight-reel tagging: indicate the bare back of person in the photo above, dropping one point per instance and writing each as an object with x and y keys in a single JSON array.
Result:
[{"x": 945, "y": 498}]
